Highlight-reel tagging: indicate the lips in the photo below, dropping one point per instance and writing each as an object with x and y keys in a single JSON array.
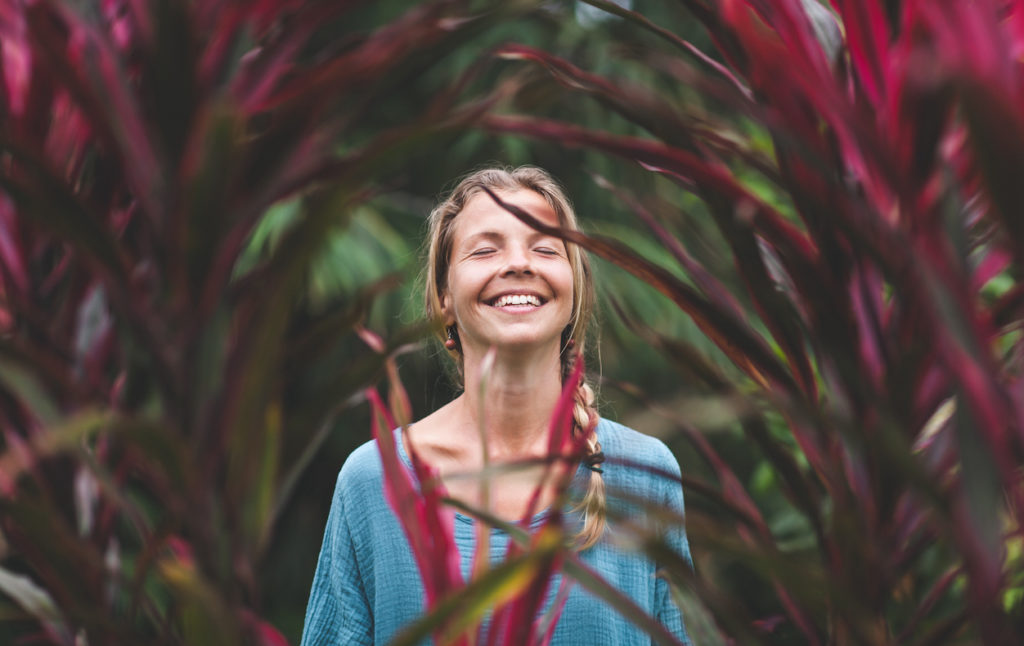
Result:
[{"x": 505, "y": 300}]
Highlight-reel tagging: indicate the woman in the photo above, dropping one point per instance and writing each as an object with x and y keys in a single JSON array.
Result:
[{"x": 497, "y": 283}]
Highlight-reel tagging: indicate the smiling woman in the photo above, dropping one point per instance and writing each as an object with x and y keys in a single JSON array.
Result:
[{"x": 515, "y": 305}]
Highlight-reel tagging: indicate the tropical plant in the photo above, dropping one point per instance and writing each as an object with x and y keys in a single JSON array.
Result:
[
  {"x": 860, "y": 164},
  {"x": 162, "y": 385},
  {"x": 164, "y": 381}
]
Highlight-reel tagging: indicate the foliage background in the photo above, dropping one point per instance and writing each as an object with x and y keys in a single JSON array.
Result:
[{"x": 360, "y": 263}]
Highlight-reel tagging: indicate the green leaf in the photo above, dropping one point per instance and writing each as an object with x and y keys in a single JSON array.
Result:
[
  {"x": 34, "y": 600},
  {"x": 20, "y": 381}
]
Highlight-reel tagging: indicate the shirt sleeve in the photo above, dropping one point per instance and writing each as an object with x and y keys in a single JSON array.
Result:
[
  {"x": 667, "y": 611},
  {"x": 338, "y": 611}
]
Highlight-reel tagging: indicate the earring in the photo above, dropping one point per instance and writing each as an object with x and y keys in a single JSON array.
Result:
[{"x": 450, "y": 342}]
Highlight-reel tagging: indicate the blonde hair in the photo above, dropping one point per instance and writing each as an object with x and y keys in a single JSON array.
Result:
[{"x": 440, "y": 240}]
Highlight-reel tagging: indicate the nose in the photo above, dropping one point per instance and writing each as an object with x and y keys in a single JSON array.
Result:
[{"x": 517, "y": 261}]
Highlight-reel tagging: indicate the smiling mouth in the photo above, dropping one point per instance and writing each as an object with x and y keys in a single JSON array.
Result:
[{"x": 516, "y": 299}]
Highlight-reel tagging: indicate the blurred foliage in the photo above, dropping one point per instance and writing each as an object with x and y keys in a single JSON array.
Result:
[
  {"x": 826, "y": 199},
  {"x": 199, "y": 202}
]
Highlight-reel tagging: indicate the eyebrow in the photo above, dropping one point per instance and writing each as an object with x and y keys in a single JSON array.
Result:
[
  {"x": 497, "y": 236},
  {"x": 483, "y": 235}
]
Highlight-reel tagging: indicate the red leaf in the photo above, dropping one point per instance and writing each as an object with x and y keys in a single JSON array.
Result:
[
  {"x": 710, "y": 176},
  {"x": 265, "y": 632},
  {"x": 12, "y": 262},
  {"x": 521, "y": 619},
  {"x": 738, "y": 341},
  {"x": 867, "y": 37},
  {"x": 866, "y": 291},
  {"x": 708, "y": 284},
  {"x": 15, "y": 60},
  {"x": 994, "y": 261},
  {"x": 90, "y": 69},
  {"x": 429, "y": 529}
]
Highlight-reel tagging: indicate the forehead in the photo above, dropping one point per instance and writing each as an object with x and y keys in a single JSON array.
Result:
[{"x": 482, "y": 214}]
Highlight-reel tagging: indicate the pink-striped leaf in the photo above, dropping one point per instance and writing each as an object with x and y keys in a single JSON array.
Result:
[
  {"x": 429, "y": 529},
  {"x": 738, "y": 342},
  {"x": 867, "y": 36}
]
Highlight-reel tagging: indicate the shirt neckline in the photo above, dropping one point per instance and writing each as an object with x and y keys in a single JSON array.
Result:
[{"x": 537, "y": 518}]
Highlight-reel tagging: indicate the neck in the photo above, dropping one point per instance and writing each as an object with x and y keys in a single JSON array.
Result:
[{"x": 513, "y": 399}]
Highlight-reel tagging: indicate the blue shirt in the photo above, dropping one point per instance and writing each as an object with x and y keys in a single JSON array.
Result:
[{"x": 367, "y": 587}]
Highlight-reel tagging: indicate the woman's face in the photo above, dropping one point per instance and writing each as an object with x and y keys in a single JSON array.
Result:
[{"x": 508, "y": 285}]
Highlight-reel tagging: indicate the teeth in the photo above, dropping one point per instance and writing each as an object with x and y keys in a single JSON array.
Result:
[{"x": 517, "y": 299}]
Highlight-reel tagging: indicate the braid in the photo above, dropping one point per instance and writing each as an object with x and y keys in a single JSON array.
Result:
[{"x": 585, "y": 418}]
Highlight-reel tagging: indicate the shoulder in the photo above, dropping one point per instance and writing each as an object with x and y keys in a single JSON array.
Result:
[
  {"x": 362, "y": 462},
  {"x": 621, "y": 443},
  {"x": 361, "y": 473},
  {"x": 359, "y": 506},
  {"x": 636, "y": 463}
]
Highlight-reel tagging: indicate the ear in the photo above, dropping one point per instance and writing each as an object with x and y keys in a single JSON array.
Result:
[{"x": 446, "y": 309}]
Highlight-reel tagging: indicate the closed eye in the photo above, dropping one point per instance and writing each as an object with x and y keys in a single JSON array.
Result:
[
  {"x": 547, "y": 251},
  {"x": 483, "y": 251}
]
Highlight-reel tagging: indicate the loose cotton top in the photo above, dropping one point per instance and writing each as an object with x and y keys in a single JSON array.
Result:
[{"x": 367, "y": 586}]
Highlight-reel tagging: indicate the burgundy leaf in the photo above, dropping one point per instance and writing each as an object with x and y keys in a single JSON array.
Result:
[
  {"x": 992, "y": 263},
  {"x": 86, "y": 63},
  {"x": 867, "y": 35},
  {"x": 738, "y": 342},
  {"x": 710, "y": 176},
  {"x": 13, "y": 270},
  {"x": 429, "y": 529},
  {"x": 15, "y": 61},
  {"x": 708, "y": 284}
]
